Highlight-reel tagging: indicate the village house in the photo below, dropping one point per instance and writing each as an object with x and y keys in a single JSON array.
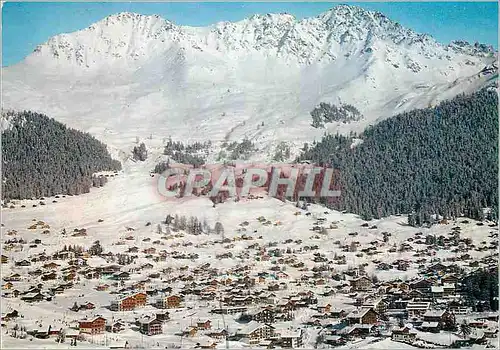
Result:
[
  {"x": 289, "y": 339},
  {"x": 115, "y": 326},
  {"x": 33, "y": 297},
  {"x": 150, "y": 325},
  {"x": 362, "y": 283},
  {"x": 362, "y": 316},
  {"x": 255, "y": 332},
  {"x": 121, "y": 276},
  {"x": 218, "y": 334},
  {"x": 458, "y": 308},
  {"x": 378, "y": 305},
  {"x": 423, "y": 286},
  {"x": 169, "y": 302},
  {"x": 416, "y": 309},
  {"x": 404, "y": 334},
  {"x": 23, "y": 263},
  {"x": 442, "y": 317},
  {"x": 266, "y": 315},
  {"x": 324, "y": 308},
  {"x": 203, "y": 324},
  {"x": 94, "y": 325},
  {"x": 129, "y": 302},
  {"x": 102, "y": 287}
]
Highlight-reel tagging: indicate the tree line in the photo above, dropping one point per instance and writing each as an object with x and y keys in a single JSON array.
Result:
[
  {"x": 43, "y": 157},
  {"x": 440, "y": 160}
]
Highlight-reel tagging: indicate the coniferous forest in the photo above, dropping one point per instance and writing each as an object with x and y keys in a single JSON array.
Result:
[
  {"x": 42, "y": 157},
  {"x": 440, "y": 160}
]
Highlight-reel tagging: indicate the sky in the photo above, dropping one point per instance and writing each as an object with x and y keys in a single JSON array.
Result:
[{"x": 28, "y": 24}]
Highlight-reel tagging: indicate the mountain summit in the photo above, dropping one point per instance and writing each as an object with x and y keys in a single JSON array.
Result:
[
  {"x": 342, "y": 30},
  {"x": 133, "y": 75}
]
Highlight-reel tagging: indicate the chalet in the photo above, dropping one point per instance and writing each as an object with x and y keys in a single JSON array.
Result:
[
  {"x": 203, "y": 324},
  {"x": 448, "y": 289},
  {"x": 334, "y": 340},
  {"x": 109, "y": 270},
  {"x": 129, "y": 302},
  {"x": 87, "y": 306},
  {"x": 416, "y": 309},
  {"x": 229, "y": 310},
  {"x": 58, "y": 290},
  {"x": 378, "y": 305},
  {"x": 8, "y": 285},
  {"x": 91, "y": 274},
  {"x": 94, "y": 325},
  {"x": 362, "y": 283},
  {"x": 357, "y": 330},
  {"x": 218, "y": 334},
  {"x": 102, "y": 287},
  {"x": 255, "y": 332},
  {"x": 290, "y": 339},
  {"x": 49, "y": 276},
  {"x": 147, "y": 266},
  {"x": 437, "y": 291},
  {"x": 450, "y": 278},
  {"x": 404, "y": 334},
  {"x": 116, "y": 326},
  {"x": 417, "y": 295},
  {"x": 338, "y": 313},
  {"x": 206, "y": 344},
  {"x": 423, "y": 286},
  {"x": 189, "y": 332},
  {"x": 282, "y": 275},
  {"x": 150, "y": 326},
  {"x": 362, "y": 316},
  {"x": 10, "y": 315},
  {"x": 266, "y": 315},
  {"x": 121, "y": 276},
  {"x": 33, "y": 297},
  {"x": 439, "y": 268},
  {"x": 324, "y": 308},
  {"x": 162, "y": 316},
  {"x": 23, "y": 263},
  {"x": 442, "y": 317},
  {"x": 429, "y": 327},
  {"x": 51, "y": 265},
  {"x": 458, "y": 308},
  {"x": 169, "y": 302}
]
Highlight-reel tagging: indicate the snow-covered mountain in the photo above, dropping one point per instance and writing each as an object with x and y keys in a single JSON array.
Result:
[{"x": 132, "y": 75}]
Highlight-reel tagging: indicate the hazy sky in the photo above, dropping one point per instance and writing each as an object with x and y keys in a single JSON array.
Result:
[{"x": 25, "y": 25}]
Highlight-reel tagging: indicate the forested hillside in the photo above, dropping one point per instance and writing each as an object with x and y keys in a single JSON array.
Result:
[
  {"x": 42, "y": 157},
  {"x": 440, "y": 160}
]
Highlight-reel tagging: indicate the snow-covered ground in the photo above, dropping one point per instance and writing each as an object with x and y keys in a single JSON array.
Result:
[
  {"x": 130, "y": 201},
  {"x": 132, "y": 76}
]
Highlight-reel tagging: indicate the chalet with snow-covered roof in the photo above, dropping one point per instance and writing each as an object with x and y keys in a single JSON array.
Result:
[
  {"x": 95, "y": 325},
  {"x": 128, "y": 303},
  {"x": 362, "y": 316},
  {"x": 150, "y": 325},
  {"x": 443, "y": 317},
  {"x": 416, "y": 309},
  {"x": 404, "y": 334},
  {"x": 15, "y": 277},
  {"x": 254, "y": 332},
  {"x": 362, "y": 283}
]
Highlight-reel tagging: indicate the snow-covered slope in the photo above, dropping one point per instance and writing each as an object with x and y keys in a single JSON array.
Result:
[{"x": 132, "y": 75}]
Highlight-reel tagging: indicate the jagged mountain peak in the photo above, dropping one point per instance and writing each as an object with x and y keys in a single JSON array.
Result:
[{"x": 343, "y": 30}]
